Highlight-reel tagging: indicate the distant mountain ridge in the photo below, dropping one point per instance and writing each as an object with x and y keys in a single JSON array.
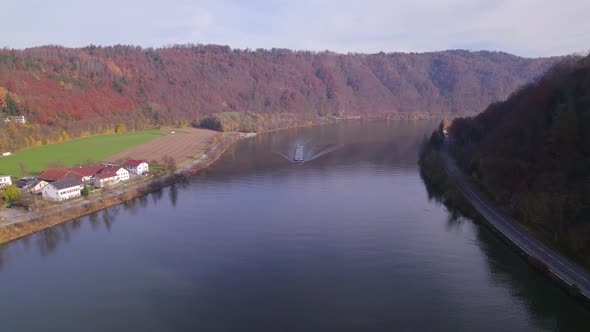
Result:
[
  {"x": 204, "y": 79},
  {"x": 91, "y": 89}
]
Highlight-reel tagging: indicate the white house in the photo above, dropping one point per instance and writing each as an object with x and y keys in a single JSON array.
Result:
[
  {"x": 5, "y": 180},
  {"x": 137, "y": 167},
  {"x": 32, "y": 185},
  {"x": 110, "y": 177},
  {"x": 37, "y": 187},
  {"x": 123, "y": 174},
  {"x": 61, "y": 190}
]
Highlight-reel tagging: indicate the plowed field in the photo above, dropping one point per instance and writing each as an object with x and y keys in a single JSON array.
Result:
[{"x": 184, "y": 146}]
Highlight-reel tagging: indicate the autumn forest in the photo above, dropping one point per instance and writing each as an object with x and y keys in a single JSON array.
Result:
[{"x": 74, "y": 92}]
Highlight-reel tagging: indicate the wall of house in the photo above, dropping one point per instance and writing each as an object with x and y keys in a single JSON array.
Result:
[
  {"x": 5, "y": 181},
  {"x": 38, "y": 188},
  {"x": 49, "y": 192},
  {"x": 105, "y": 181},
  {"x": 142, "y": 168},
  {"x": 123, "y": 174},
  {"x": 68, "y": 193}
]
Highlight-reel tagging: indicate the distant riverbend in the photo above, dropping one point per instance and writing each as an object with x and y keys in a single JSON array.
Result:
[{"x": 349, "y": 241}]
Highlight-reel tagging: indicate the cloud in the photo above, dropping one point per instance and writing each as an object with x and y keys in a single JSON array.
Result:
[{"x": 523, "y": 27}]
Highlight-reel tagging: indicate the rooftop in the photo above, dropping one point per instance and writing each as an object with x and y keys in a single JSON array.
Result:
[
  {"x": 88, "y": 170},
  {"x": 53, "y": 174},
  {"x": 65, "y": 184},
  {"x": 134, "y": 162},
  {"x": 107, "y": 174}
]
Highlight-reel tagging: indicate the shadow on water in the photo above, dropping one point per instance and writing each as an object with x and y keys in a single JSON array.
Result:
[
  {"x": 549, "y": 307},
  {"x": 49, "y": 240}
]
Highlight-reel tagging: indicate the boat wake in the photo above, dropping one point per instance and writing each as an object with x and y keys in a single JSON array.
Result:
[{"x": 303, "y": 152}]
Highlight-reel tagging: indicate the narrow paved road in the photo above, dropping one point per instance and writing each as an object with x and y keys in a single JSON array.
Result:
[{"x": 557, "y": 264}]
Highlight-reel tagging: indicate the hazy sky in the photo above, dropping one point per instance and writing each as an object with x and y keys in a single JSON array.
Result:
[{"x": 522, "y": 27}]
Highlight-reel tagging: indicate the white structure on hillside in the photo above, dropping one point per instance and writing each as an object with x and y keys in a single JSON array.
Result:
[
  {"x": 110, "y": 177},
  {"x": 20, "y": 119},
  {"x": 137, "y": 167},
  {"x": 5, "y": 180},
  {"x": 62, "y": 190}
]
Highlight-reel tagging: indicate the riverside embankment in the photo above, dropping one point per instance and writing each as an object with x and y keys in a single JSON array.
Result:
[
  {"x": 574, "y": 278},
  {"x": 17, "y": 224}
]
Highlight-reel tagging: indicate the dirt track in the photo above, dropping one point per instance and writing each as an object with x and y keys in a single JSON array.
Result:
[{"x": 184, "y": 146}]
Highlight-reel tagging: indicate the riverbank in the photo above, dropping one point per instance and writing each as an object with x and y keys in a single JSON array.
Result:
[
  {"x": 32, "y": 222},
  {"x": 25, "y": 223},
  {"x": 446, "y": 184}
]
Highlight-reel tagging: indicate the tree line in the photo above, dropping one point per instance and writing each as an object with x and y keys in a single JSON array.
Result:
[{"x": 531, "y": 154}]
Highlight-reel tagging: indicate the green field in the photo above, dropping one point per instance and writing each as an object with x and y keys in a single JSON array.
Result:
[{"x": 74, "y": 152}]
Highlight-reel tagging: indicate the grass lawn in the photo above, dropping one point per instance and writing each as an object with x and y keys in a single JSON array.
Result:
[{"x": 74, "y": 152}]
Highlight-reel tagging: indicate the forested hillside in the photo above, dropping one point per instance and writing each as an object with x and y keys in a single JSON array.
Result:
[
  {"x": 67, "y": 92},
  {"x": 531, "y": 154}
]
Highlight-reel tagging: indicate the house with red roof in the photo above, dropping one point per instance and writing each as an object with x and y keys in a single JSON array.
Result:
[
  {"x": 84, "y": 174},
  {"x": 137, "y": 166},
  {"x": 110, "y": 175},
  {"x": 53, "y": 174},
  {"x": 87, "y": 172}
]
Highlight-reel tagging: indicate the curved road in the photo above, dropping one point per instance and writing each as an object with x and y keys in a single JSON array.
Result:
[{"x": 557, "y": 264}]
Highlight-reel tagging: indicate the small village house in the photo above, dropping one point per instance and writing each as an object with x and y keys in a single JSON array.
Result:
[
  {"x": 82, "y": 174},
  {"x": 137, "y": 167},
  {"x": 53, "y": 174},
  {"x": 62, "y": 190},
  {"x": 111, "y": 175},
  {"x": 5, "y": 180},
  {"x": 37, "y": 187},
  {"x": 87, "y": 172},
  {"x": 122, "y": 173},
  {"x": 32, "y": 185},
  {"x": 50, "y": 183}
]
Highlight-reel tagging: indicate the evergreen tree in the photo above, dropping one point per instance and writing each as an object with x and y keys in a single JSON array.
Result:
[{"x": 11, "y": 106}]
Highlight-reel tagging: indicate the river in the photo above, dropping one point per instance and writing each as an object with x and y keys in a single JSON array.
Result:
[{"x": 349, "y": 241}]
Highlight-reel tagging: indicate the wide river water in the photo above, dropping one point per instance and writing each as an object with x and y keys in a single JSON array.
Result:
[{"x": 349, "y": 241}]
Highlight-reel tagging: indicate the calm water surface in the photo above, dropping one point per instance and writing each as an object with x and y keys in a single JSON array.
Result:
[{"x": 347, "y": 242}]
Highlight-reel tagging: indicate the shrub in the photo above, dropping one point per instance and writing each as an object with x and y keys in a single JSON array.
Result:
[{"x": 11, "y": 194}]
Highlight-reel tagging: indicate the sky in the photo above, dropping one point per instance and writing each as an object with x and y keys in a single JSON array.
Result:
[{"x": 531, "y": 28}]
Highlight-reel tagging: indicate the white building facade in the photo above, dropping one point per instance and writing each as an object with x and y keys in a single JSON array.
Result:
[
  {"x": 137, "y": 167},
  {"x": 123, "y": 174},
  {"x": 37, "y": 187},
  {"x": 105, "y": 178},
  {"x": 5, "y": 180},
  {"x": 61, "y": 190}
]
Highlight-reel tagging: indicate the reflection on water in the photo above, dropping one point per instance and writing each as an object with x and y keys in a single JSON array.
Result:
[
  {"x": 549, "y": 308},
  {"x": 350, "y": 241}
]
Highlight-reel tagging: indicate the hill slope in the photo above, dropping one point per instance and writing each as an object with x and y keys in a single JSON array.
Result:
[
  {"x": 531, "y": 154},
  {"x": 90, "y": 90}
]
